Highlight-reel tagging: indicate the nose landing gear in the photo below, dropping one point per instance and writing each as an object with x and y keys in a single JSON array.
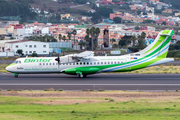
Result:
[{"x": 16, "y": 75}]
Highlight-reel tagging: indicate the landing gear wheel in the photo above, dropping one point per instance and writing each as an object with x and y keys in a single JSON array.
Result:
[
  {"x": 80, "y": 75},
  {"x": 16, "y": 76}
]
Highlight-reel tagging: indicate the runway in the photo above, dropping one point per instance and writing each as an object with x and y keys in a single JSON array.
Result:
[{"x": 142, "y": 82}]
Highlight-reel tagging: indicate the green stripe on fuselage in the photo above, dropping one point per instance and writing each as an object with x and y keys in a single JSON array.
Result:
[{"x": 101, "y": 67}]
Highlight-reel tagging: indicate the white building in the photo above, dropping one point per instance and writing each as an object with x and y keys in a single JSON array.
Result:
[
  {"x": 28, "y": 47},
  {"x": 27, "y": 31}
]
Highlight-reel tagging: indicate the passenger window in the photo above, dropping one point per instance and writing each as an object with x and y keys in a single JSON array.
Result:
[
  {"x": 87, "y": 63},
  {"x": 80, "y": 63},
  {"x": 77, "y": 63},
  {"x": 114, "y": 62},
  {"x": 90, "y": 63},
  {"x": 98, "y": 63},
  {"x": 94, "y": 63},
  {"x": 66, "y": 63},
  {"x": 39, "y": 63},
  {"x": 69, "y": 63},
  {"x": 108, "y": 62},
  {"x": 84, "y": 63},
  {"x": 43, "y": 63},
  {"x": 118, "y": 62},
  {"x": 46, "y": 63},
  {"x": 111, "y": 62},
  {"x": 56, "y": 63},
  {"x": 49, "y": 63},
  {"x": 73, "y": 63},
  {"x": 53, "y": 63},
  {"x": 121, "y": 62},
  {"x": 101, "y": 63},
  {"x": 104, "y": 62}
]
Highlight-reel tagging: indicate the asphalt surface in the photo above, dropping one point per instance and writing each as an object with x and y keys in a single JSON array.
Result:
[{"x": 151, "y": 82}]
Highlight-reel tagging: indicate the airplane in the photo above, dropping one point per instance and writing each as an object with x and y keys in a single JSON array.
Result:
[{"x": 86, "y": 63}]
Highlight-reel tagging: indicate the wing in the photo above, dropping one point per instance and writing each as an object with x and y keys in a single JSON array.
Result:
[{"x": 83, "y": 56}]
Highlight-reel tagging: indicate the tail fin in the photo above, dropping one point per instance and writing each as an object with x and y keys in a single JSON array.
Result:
[{"x": 160, "y": 46}]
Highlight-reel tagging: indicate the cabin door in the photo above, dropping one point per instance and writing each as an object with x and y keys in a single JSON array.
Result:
[{"x": 128, "y": 63}]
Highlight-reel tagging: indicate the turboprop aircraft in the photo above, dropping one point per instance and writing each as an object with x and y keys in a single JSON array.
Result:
[{"x": 86, "y": 63}]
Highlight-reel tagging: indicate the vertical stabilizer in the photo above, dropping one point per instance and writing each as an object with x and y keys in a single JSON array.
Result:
[{"x": 160, "y": 46}]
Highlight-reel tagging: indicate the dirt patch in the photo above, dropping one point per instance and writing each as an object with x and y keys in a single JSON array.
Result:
[
  {"x": 92, "y": 97},
  {"x": 67, "y": 101}
]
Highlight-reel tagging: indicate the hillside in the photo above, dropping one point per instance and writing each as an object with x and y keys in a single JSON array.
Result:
[
  {"x": 55, "y": 7},
  {"x": 175, "y": 3}
]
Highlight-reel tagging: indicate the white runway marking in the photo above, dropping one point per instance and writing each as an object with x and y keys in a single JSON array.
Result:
[{"x": 98, "y": 84}]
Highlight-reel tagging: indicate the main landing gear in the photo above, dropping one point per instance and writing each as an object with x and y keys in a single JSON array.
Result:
[
  {"x": 81, "y": 75},
  {"x": 16, "y": 75}
]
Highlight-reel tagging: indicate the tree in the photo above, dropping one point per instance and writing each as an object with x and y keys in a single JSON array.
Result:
[
  {"x": 117, "y": 19},
  {"x": 133, "y": 39},
  {"x": 87, "y": 31},
  {"x": 122, "y": 42},
  {"x": 97, "y": 34},
  {"x": 139, "y": 11},
  {"x": 150, "y": 11},
  {"x": 87, "y": 39},
  {"x": 137, "y": 28},
  {"x": 60, "y": 37},
  {"x": 143, "y": 35},
  {"x": 177, "y": 24},
  {"x": 53, "y": 40},
  {"x": 69, "y": 35},
  {"x": 11, "y": 38},
  {"x": 94, "y": 32},
  {"x": 74, "y": 33},
  {"x": 149, "y": 21},
  {"x": 115, "y": 46},
  {"x": 113, "y": 40},
  {"x": 42, "y": 12},
  {"x": 82, "y": 44},
  {"x": 144, "y": 13},
  {"x": 163, "y": 23},
  {"x": 64, "y": 38},
  {"x": 19, "y": 51},
  {"x": 34, "y": 55}
]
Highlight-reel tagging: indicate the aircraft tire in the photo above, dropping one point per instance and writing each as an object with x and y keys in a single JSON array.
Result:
[{"x": 16, "y": 76}]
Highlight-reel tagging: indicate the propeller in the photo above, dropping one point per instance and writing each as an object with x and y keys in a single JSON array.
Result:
[{"x": 58, "y": 60}]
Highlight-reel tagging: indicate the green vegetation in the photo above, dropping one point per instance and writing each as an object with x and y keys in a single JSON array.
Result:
[
  {"x": 2, "y": 67},
  {"x": 117, "y": 19},
  {"x": 174, "y": 53},
  {"x": 23, "y": 108},
  {"x": 20, "y": 8},
  {"x": 175, "y": 3},
  {"x": 41, "y": 38},
  {"x": 158, "y": 70}
]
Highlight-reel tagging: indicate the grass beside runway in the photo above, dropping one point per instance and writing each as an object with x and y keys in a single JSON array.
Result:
[
  {"x": 2, "y": 67},
  {"x": 120, "y": 105}
]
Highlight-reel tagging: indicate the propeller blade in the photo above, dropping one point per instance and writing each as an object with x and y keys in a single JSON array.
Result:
[{"x": 58, "y": 60}]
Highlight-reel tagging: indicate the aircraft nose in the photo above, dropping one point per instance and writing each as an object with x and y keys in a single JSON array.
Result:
[{"x": 8, "y": 68}]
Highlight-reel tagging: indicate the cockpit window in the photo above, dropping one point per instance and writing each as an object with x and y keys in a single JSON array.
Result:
[
  {"x": 20, "y": 62},
  {"x": 15, "y": 61}
]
